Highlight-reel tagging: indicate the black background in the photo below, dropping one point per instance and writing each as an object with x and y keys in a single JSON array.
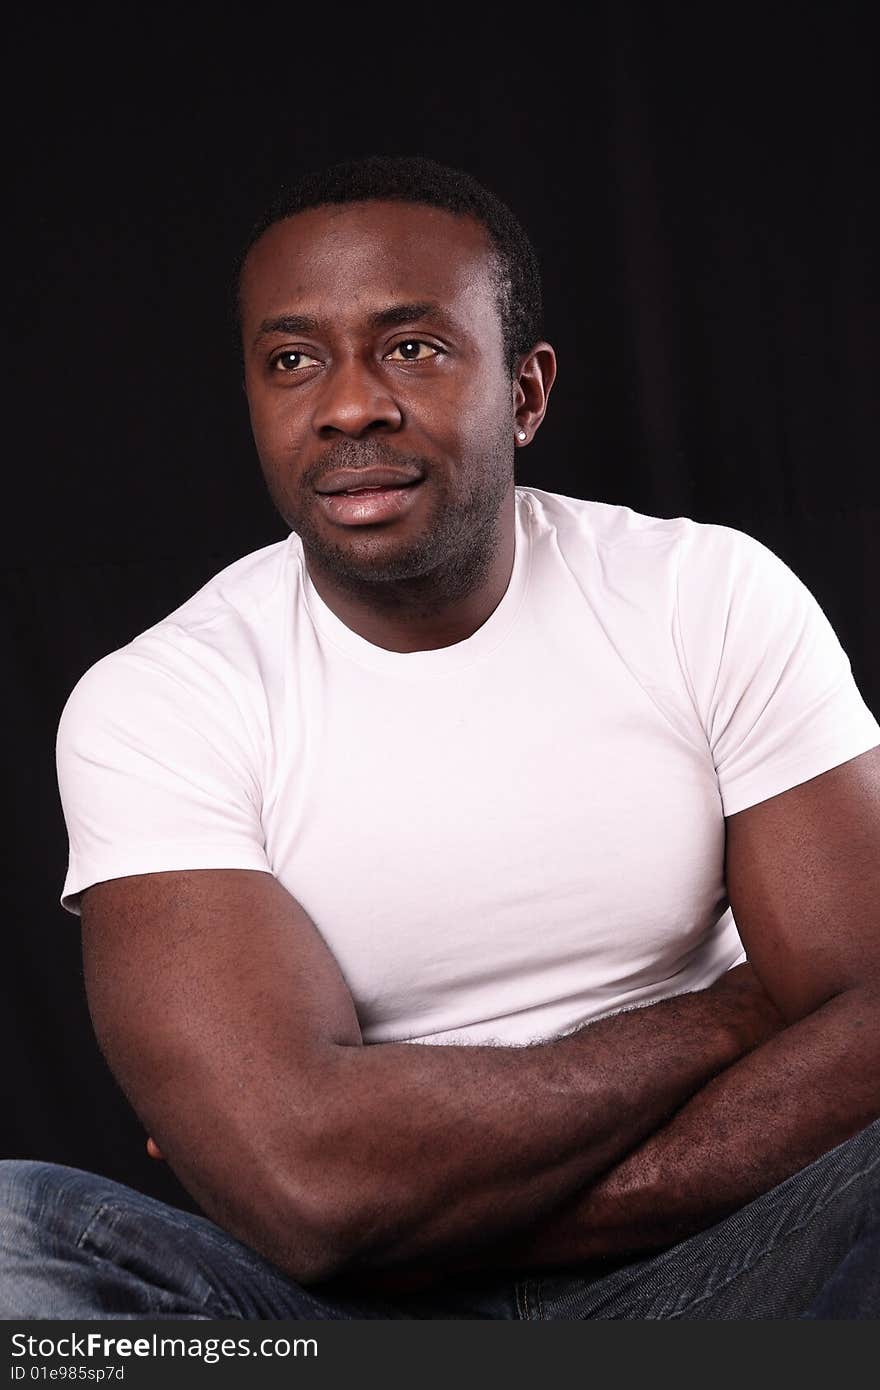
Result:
[{"x": 700, "y": 186}]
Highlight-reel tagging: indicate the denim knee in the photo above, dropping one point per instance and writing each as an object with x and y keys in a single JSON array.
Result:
[
  {"x": 39, "y": 1199},
  {"x": 19, "y": 1177}
]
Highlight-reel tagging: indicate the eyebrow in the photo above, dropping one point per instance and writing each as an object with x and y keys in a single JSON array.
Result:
[{"x": 382, "y": 318}]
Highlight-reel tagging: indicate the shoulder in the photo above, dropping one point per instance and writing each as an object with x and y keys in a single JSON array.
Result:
[
  {"x": 602, "y": 524},
  {"x": 711, "y": 550},
  {"x": 620, "y": 555},
  {"x": 241, "y": 601},
  {"x": 676, "y": 568},
  {"x": 730, "y": 585},
  {"x": 209, "y": 648}
]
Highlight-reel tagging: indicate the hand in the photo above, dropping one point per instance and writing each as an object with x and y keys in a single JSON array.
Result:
[{"x": 153, "y": 1149}]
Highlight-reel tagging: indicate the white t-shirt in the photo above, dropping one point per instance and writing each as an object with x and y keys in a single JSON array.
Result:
[{"x": 500, "y": 839}]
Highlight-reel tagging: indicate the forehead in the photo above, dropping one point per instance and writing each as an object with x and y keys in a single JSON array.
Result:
[{"x": 336, "y": 262}]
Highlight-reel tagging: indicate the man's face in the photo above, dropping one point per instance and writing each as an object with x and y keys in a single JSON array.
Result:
[{"x": 428, "y": 394}]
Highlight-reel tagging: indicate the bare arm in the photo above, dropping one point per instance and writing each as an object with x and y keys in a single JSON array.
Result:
[
  {"x": 803, "y": 872},
  {"x": 224, "y": 1016}
]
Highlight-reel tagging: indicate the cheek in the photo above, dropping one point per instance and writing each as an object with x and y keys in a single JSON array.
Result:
[
  {"x": 472, "y": 422},
  {"x": 274, "y": 430},
  {"x": 488, "y": 433}
]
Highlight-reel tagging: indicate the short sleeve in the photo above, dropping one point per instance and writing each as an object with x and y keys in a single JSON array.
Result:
[
  {"x": 155, "y": 769},
  {"x": 772, "y": 685}
]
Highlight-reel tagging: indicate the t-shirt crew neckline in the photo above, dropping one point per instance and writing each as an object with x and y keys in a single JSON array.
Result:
[{"x": 442, "y": 659}]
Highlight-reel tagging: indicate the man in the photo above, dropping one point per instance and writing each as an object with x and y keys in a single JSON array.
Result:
[{"x": 418, "y": 855}]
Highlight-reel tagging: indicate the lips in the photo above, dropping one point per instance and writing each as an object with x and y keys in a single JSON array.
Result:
[
  {"x": 358, "y": 491},
  {"x": 356, "y": 480},
  {"x": 368, "y": 507}
]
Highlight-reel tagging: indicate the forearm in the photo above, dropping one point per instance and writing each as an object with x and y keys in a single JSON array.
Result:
[
  {"x": 770, "y": 1114},
  {"x": 437, "y": 1151}
]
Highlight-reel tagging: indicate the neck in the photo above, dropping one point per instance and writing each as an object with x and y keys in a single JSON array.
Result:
[{"x": 427, "y": 611}]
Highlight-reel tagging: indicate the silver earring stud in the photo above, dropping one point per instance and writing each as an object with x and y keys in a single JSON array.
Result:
[{"x": 521, "y": 434}]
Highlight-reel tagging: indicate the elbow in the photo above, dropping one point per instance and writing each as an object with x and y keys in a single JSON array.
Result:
[
  {"x": 322, "y": 1218},
  {"x": 297, "y": 1233},
  {"x": 324, "y": 1245},
  {"x": 277, "y": 1209},
  {"x": 347, "y": 1217},
  {"x": 329, "y": 1243},
  {"x": 305, "y": 1193},
  {"x": 332, "y": 1235}
]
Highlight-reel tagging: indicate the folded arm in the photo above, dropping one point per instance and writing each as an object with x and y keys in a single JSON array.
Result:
[
  {"x": 803, "y": 876},
  {"x": 228, "y": 1023}
]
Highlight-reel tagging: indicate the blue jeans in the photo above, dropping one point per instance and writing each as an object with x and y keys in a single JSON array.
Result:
[{"x": 74, "y": 1245}]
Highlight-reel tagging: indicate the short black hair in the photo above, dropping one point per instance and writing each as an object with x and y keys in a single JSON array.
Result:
[{"x": 516, "y": 274}]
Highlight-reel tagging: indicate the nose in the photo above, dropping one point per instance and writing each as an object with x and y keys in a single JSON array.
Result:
[{"x": 354, "y": 398}]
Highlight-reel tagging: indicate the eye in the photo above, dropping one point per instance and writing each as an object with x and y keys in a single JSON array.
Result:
[
  {"x": 417, "y": 342},
  {"x": 282, "y": 361}
]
